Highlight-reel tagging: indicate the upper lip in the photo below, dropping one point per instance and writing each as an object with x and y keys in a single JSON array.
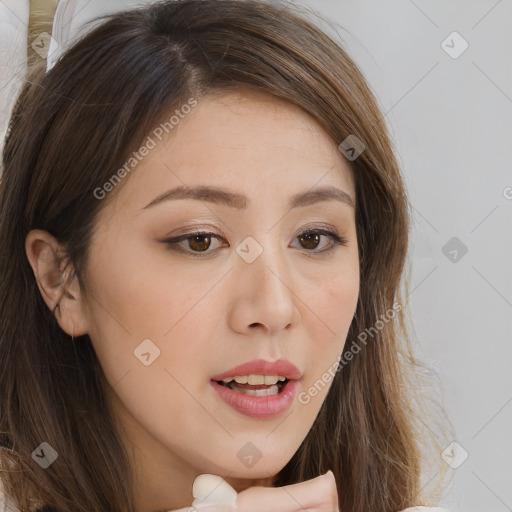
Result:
[{"x": 261, "y": 367}]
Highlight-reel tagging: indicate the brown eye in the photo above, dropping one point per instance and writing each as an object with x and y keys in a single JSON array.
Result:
[
  {"x": 195, "y": 243},
  {"x": 199, "y": 243},
  {"x": 312, "y": 240}
]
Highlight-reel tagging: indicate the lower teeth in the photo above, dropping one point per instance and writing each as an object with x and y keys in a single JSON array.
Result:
[{"x": 272, "y": 390}]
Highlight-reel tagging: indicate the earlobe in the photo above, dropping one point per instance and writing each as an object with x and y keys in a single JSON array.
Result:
[{"x": 62, "y": 297}]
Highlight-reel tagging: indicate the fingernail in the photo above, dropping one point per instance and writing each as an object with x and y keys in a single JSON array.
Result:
[{"x": 212, "y": 490}]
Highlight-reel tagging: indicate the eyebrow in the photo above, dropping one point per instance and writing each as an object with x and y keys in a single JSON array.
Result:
[{"x": 225, "y": 197}]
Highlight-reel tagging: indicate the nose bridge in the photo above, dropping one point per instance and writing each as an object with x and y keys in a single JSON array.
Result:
[
  {"x": 268, "y": 260},
  {"x": 266, "y": 283},
  {"x": 270, "y": 270}
]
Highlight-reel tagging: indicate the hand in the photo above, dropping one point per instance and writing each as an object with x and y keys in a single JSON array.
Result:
[{"x": 318, "y": 494}]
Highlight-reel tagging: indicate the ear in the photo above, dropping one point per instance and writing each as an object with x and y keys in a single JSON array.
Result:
[{"x": 45, "y": 256}]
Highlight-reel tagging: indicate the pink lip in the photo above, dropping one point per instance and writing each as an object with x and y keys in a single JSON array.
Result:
[
  {"x": 261, "y": 367},
  {"x": 260, "y": 407}
]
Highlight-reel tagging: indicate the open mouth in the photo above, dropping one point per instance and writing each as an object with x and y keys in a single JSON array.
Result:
[
  {"x": 255, "y": 389},
  {"x": 267, "y": 397}
]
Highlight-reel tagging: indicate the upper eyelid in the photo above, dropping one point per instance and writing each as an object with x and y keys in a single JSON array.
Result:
[
  {"x": 210, "y": 230},
  {"x": 204, "y": 232}
]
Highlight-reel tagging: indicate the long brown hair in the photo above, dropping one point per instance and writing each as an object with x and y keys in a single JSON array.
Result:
[{"x": 75, "y": 125}]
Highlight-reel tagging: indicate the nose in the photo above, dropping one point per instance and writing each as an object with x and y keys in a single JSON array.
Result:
[{"x": 264, "y": 297}]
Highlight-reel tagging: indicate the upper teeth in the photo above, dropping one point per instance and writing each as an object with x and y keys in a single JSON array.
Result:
[{"x": 253, "y": 379}]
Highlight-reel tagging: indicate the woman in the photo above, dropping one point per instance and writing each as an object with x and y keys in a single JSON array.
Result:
[{"x": 131, "y": 361}]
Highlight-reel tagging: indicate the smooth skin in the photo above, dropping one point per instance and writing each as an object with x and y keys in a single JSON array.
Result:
[{"x": 209, "y": 314}]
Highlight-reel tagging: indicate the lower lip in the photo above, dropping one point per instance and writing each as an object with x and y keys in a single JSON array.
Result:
[{"x": 261, "y": 407}]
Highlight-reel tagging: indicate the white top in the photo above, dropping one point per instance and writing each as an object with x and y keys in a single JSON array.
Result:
[{"x": 7, "y": 506}]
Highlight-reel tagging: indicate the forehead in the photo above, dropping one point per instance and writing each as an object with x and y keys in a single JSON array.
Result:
[
  {"x": 246, "y": 141},
  {"x": 253, "y": 123}
]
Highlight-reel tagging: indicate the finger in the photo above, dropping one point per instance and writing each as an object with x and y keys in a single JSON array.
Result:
[
  {"x": 211, "y": 489},
  {"x": 319, "y": 493},
  {"x": 213, "y": 508}
]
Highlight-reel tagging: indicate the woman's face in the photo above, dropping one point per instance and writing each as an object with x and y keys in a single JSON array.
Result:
[{"x": 164, "y": 319}]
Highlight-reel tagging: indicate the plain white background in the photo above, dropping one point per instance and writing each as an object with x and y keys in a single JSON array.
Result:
[{"x": 451, "y": 121}]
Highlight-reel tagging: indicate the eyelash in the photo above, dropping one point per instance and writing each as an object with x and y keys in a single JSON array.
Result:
[{"x": 172, "y": 243}]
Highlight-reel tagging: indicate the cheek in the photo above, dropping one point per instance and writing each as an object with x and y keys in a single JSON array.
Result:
[
  {"x": 333, "y": 302},
  {"x": 333, "y": 307},
  {"x": 152, "y": 314},
  {"x": 137, "y": 294},
  {"x": 149, "y": 334},
  {"x": 150, "y": 372}
]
